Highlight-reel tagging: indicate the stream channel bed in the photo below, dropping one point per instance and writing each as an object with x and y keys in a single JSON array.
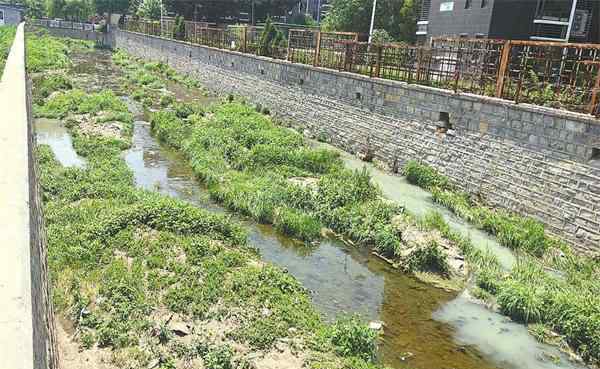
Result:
[{"x": 424, "y": 327}]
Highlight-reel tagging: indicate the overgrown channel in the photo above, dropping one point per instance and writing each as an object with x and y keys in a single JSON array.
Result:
[{"x": 194, "y": 231}]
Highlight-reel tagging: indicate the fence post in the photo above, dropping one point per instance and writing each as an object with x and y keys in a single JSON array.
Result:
[
  {"x": 378, "y": 61},
  {"x": 244, "y": 38},
  {"x": 287, "y": 55},
  {"x": 594, "y": 100},
  {"x": 318, "y": 50},
  {"x": 503, "y": 67},
  {"x": 419, "y": 61}
]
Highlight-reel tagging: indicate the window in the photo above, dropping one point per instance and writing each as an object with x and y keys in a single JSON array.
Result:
[
  {"x": 468, "y": 4},
  {"x": 447, "y": 6},
  {"x": 484, "y": 3}
]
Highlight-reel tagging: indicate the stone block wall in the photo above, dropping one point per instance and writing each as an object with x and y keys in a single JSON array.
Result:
[
  {"x": 532, "y": 160},
  {"x": 27, "y": 339}
]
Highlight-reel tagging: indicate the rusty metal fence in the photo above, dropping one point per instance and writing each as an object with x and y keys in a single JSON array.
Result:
[{"x": 558, "y": 75}]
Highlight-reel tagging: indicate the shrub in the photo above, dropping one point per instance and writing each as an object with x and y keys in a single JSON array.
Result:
[
  {"x": 429, "y": 258},
  {"x": 297, "y": 224},
  {"x": 424, "y": 176},
  {"x": 351, "y": 337},
  {"x": 516, "y": 232},
  {"x": 521, "y": 302},
  {"x": 219, "y": 358},
  {"x": 166, "y": 100}
]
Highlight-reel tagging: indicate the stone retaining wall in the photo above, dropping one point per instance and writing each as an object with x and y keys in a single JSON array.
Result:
[
  {"x": 27, "y": 326},
  {"x": 104, "y": 39},
  {"x": 533, "y": 160}
]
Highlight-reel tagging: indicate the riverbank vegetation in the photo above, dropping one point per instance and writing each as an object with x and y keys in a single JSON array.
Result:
[
  {"x": 257, "y": 168},
  {"x": 549, "y": 285},
  {"x": 7, "y": 35},
  {"x": 154, "y": 282}
]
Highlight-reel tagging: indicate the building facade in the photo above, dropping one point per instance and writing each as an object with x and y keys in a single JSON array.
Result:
[
  {"x": 549, "y": 20},
  {"x": 10, "y": 14}
]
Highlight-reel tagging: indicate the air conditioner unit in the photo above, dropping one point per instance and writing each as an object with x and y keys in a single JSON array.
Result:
[{"x": 580, "y": 23}]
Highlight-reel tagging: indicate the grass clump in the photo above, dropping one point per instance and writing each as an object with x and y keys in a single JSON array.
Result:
[
  {"x": 271, "y": 174},
  {"x": 45, "y": 52},
  {"x": 7, "y": 35},
  {"x": 424, "y": 176},
  {"x": 80, "y": 102},
  {"x": 512, "y": 230},
  {"x": 353, "y": 339},
  {"x": 429, "y": 258}
]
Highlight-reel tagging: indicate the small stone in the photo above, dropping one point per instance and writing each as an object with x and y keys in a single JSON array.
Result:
[
  {"x": 376, "y": 325},
  {"x": 266, "y": 312},
  {"x": 153, "y": 363},
  {"x": 280, "y": 346},
  {"x": 180, "y": 329}
]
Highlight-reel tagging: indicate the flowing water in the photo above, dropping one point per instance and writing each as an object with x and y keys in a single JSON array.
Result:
[
  {"x": 424, "y": 327},
  {"x": 51, "y": 132}
]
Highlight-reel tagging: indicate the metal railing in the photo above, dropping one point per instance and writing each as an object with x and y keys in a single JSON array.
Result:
[
  {"x": 53, "y": 23},
  {"x": 559, "y": 75}
]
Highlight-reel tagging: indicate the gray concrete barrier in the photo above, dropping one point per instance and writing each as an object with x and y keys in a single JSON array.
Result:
[{"x": 26, "y": 324}]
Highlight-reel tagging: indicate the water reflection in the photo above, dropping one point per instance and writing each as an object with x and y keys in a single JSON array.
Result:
[
  {"x": 53, "y": 133},
  {"x": 506, "y": 342}
]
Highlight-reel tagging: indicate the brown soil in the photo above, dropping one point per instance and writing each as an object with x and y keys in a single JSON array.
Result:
[{"x": 72, "y": 357}]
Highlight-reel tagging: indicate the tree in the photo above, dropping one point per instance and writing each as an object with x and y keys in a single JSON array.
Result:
[
  {"x": 111, "y": 6},
  {"x": 77, "y": 10},
  {"x": 35, "y": 8},
  {"x": 271, "y": 38},
  {"x": 408, "y": 20},
  {"x": 381, "y": 36},
  {"x": 179, "y": 28},
  {"x": 397, "y": 17},
  {"x": 149, "y": 9},
  {"x": 55, "y": 8}
]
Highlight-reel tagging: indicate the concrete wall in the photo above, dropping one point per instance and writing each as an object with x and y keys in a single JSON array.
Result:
[
  {"x": 471, "y": 21},
  {"x": 26, "y": 326},
  {"x": 12, "y": 16},
  {"x": 104, "y": 39},
  {"x": 528, "y": 159}
]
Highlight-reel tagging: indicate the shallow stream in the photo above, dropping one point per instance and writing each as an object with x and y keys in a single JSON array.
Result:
[{"x": 424, "y": 327}]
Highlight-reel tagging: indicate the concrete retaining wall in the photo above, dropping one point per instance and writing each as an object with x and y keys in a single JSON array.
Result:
[
  {"x": 104, "y": 39},
  {"x": 524, "y": 158},
  {"x": 27, "y": 325}
]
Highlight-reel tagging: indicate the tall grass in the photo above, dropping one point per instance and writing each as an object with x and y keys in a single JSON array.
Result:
[
  {"x": 7, "y": 35},
  {"x": 512, "y": 230}
]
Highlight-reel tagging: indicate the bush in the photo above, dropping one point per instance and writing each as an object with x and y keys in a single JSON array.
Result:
[
  {"x": 424, "y": 176},
  {"x": 351, "y": 337},
  {"x": 7, "y": 35},
  {"x": 520, "y": 302},
  {"x": 297, "y": 224},
  {"x": 430, "y": 258}
]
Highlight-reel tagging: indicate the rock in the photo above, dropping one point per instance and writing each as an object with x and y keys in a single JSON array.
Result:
[
  {"x": 406, "y": 355},
  {"x": 280, "y": 346},
  {"x": 179, "y": 328},
  {"x": 54, "y": 94},
  {"x": 376, "y": 325},
  {"x": 266, "y": 312}
]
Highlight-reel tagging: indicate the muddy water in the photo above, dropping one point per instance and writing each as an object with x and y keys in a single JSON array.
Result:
[
  {"x": 53, "y": 133},
  {"x": 425, "y": 328}
]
